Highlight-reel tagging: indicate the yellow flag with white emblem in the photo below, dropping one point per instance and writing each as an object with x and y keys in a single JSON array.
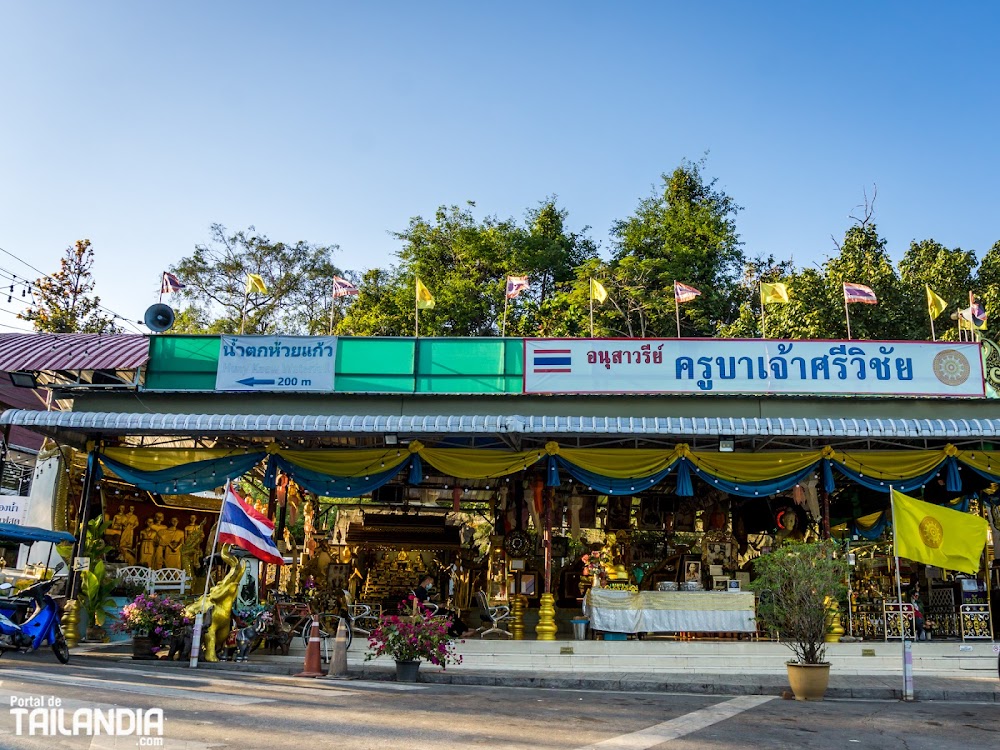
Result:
[{"x": 930, "y": 534}]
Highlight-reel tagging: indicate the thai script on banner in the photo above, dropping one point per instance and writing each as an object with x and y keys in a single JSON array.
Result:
[
  {"x": 276, "y": 363},
  {"x": 753, "y": 367}
]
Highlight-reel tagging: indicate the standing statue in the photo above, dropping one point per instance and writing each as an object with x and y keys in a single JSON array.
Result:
[
  {"x": 129, "y": 525},
  {"x": 147, "y": 544},
  {"x": 191, "y": 549},
  {"x": 157, "y": 526},
  {"x": 171, "y": 540},
  {"x": 220, "y": 601}
]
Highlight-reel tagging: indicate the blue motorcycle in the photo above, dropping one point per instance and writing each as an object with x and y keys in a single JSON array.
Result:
[{"x": 41, "y": 626}]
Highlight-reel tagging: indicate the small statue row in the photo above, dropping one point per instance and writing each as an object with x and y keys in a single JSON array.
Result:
[{"x": 159, "y": 545}]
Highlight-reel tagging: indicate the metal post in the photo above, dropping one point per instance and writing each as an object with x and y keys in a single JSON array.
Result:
[{"x": 82, "y": 517}]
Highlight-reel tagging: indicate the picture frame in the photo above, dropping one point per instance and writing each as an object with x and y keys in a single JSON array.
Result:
[
  {"x": 690, "y": 571},
  {"x": 529, "y": 584},
  {"x": 734, "y": 586},
  {"x": 517, "y": 563},
  {"x": 720, "y": 583},
  {"x": 718, "y": 553}
]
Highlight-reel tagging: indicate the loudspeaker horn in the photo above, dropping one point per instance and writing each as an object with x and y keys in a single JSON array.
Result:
[{"x": 159, "y": 317}]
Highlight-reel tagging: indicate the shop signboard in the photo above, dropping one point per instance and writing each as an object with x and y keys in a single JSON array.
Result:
[
  {"x": 13, "y": 509},
  {"x": 276, "y": 363},
  {"x": 754, "y": 367}
]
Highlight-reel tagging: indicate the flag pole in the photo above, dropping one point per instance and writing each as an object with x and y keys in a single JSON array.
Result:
[
  {"x": 677, "y": 311},
  {"x": 416, "y": 310},
  {"x": 933, "y": 336},
  {"x": 591, "y": 308},
  {"x": 763, "y": 317},
  {"x": 243, "y": 310},
  {"x": 333, "y": 300},
  {"x": 162, "y": 277},
  {"x": 506, "y": 300},
  {"x": 200, "y": 616},
  {"x": 847, "y": 312},
  {"x": 907, "y": 653}
]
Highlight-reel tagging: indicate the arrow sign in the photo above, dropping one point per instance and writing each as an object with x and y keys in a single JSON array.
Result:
[{"x": 254, "y": 381}]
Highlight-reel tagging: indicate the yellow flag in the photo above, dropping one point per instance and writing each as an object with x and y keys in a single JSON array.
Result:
[
  {"x": 938, "y": 536},
  {"x": 773, "y": 293},
  {"x": 935, "y": 304},
  {"x": 597, "y": 291},
  {"x": 255, "y": 284},
  {"x": 425, "y": 300}
]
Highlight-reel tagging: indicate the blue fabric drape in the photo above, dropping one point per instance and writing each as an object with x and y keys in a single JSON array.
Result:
[
  {"x": 754, "y": 489},
  {"x": 186, "y": 478},
  {"x": 332, "y": 486},
  {"x": 882, "y": 485},
  {"x": 827, "y": 471},
  {"x": 875, "y": 531},
  {"x": 604, "y": 485}
]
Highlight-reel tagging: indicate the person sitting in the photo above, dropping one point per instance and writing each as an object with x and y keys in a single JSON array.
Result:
[{"x": 457, "y": 629}]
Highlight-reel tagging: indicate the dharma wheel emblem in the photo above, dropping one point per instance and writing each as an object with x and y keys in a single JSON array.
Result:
[
  {"x": 931, "y": 532},
  {"x": 951, "y": 367}
]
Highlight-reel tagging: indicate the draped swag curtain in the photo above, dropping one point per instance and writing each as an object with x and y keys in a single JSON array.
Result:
[{"x": 609, "y": 471}]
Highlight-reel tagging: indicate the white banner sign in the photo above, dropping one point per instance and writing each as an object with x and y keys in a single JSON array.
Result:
[
  {"x": 13, "y": 509},
  {"x": 276, "y": 363},
  {"x": 753, "y": 367}
]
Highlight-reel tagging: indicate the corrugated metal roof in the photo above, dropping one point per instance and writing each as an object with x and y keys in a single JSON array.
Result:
[
  {"x": 122, "y": 423},
  {"x": 72, "y": 351}
]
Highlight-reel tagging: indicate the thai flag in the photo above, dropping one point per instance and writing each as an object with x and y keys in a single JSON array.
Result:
[
  {"x": 516, "y": 285},
  {"x": 859, "y": 293},
  {"x": 343, "y": 288},
  {"x": 552, "y": 360},
  {"x": 684, "y": 292},
  {"x": 170, "y": 283},
  {"x": 244, "y": 526}
]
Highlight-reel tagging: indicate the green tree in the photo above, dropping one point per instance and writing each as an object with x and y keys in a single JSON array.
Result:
[
  {"x": 949, "y": 272},
  {"x": 685, "y": 231},
  {"x": 63, "y": 301},
  {"x": 298, "y": 278},
  {"x": 464, "y": 263},
  {"x": 987, "y": 287}
]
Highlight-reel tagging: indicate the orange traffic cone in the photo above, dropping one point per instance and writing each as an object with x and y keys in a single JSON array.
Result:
[{"x": 312, "y": 667}]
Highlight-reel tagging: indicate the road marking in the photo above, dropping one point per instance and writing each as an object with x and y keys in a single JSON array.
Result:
[
  {"x": 135, "y": 687},
  {"x": 682, "y": 725}
]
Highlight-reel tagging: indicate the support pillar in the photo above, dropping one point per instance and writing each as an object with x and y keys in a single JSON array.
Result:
[
  {"x": 517, "y": 617},
  {"x": 546, "y": 628}
]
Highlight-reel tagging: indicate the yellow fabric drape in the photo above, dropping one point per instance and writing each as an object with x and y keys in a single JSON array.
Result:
[
  {"x": 620, "y": 463},
  {"x": 154, "y": 459},
  {"x": 472, "y": 463},
  {"x": 753, "y": 467},
  {"x": 891, "y": 464},
  {"x": 867, "y": 522},
  {"x": 346, "y": 463},
  {"x": 988, "y": 461}
]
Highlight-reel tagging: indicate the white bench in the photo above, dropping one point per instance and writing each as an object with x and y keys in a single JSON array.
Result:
[{"x": 153, "y": 581}]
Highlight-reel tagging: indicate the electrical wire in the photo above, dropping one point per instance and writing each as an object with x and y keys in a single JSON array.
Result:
[{"x": 29, "y": 284}]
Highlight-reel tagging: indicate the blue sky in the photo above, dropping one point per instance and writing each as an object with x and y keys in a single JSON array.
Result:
[{"x": 138, "y": 125}]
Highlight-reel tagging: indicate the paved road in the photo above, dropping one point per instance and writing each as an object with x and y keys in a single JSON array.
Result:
[{"x": 204, "y": 710}]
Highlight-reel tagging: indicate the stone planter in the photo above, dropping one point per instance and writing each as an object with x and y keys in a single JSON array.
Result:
[
  {"x": 808, "y": 681},
  {"x": 406, "y": 671}
]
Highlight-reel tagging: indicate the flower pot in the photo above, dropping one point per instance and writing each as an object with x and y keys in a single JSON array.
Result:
[
  {"x": 406, "y": 671},
  {"x": 144, "y": 646},
  {"x": 808, "y": 681}
]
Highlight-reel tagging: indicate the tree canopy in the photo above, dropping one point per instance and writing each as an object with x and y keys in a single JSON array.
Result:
[
  {"x": 63, "y": 302},
  {"x": 298, "y": 278}
]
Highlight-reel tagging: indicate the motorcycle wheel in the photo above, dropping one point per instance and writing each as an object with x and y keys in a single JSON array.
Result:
[{"x": 60, "y": 648}]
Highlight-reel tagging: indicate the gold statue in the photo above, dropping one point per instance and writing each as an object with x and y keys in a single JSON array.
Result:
[
  {"x": 191, "y": 550},
  {"x": 220, "y": 602}
]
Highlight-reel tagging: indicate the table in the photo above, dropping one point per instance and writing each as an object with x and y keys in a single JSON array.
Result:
[{"x": 670, "y": 611}]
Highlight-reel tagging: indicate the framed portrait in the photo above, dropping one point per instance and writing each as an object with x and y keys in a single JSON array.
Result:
[
  {"x": 529, "y": 584},
  {"x": 718, "y": 553},
  {"x": 691, "y": 570},
  {"x": 720, "y": 583},
  {"x": 734, "y": 585}
]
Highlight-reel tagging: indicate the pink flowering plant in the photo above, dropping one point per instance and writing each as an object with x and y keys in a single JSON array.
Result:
[
  {"x": 595, "y": 561},
  {"x": 153, "y": 614},
  {"x": 413, "y": 634}
]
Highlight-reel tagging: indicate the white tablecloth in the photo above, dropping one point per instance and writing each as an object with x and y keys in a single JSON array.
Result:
[{"x": 670, "y": 611}]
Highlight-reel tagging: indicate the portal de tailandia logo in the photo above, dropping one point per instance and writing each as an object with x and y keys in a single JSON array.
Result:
[{"x": 41, "y": 716}]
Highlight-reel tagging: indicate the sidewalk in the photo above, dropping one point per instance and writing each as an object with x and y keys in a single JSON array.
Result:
[{"x": 611, "y": 667}]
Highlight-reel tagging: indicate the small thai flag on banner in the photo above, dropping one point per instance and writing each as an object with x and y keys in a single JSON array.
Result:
[
  {"x": 552, "y": 360},
  {"x": 343, "y": 288},
  {"x": 685, "y": 293},
  {"x": 170, "y": 283},
  {"x": 244, "y": 526},
  {"x": 516, "y": 285},
  {"x": 859, "y": 293}
]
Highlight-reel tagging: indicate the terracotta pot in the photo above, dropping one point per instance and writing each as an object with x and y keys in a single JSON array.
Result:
[
  {"x": 145, "y": 646},
  {"x": 406, "y": 671},
  {"x": 808, "y": 681}
]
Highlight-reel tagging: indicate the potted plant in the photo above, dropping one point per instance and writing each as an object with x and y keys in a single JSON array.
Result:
[
  {"x": 96, "y": 600},
  {"x": 410, "y": 636},
  {"x": 795, "y": 583},
  {"x": 151, "y": 619}
]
